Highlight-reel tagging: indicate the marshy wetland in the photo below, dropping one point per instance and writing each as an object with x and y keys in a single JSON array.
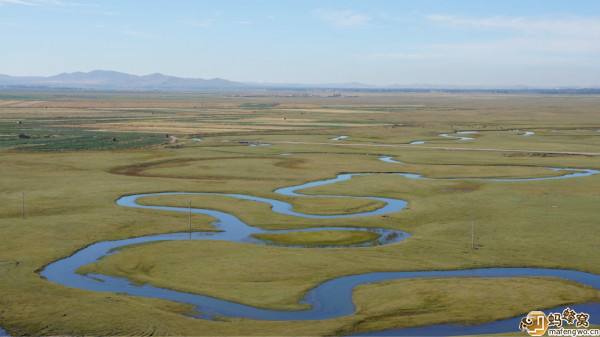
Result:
[{"x": 61, "y": 189}]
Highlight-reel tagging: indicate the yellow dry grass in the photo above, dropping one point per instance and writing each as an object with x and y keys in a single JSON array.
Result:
[
  {"x": 70, "y": 204},
  {"x": 175, "y": 127},
  {"x": 21, "y": 103}
]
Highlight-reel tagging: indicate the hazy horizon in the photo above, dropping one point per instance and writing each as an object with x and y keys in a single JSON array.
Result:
[{"x": 458, "y": 43}]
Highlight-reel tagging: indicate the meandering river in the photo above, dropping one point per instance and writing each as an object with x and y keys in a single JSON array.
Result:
[{"x": 332, "y": 298}]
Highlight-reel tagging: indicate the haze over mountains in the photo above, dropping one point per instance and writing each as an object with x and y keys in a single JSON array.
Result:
[{"x": 105, "y": 79}]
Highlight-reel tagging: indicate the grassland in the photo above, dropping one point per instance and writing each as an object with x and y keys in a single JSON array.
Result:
[
  {"x": 70, "y": 188},
  {"x": 320, "y": 238}
]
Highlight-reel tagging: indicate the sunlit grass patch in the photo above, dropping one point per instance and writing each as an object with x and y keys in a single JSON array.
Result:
[
  {"x": 319, "y": 238},
  {"x": 413, "y": 303}
]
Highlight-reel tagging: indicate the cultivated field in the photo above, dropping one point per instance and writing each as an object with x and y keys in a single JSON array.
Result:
[{"x": 86, "y": 149}]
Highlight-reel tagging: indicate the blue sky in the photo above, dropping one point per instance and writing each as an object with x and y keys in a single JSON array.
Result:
[{"x": 452, "y": 42}]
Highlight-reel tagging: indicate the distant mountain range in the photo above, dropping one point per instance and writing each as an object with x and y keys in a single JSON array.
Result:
[{"x": 105, "y": 79}]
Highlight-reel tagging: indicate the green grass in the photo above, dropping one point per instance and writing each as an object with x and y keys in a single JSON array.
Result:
[
  {"x": 319, "y": 238},
  {"x": 422, "y": 302},
  {"x": 52, "y": 138},
  {"x": 69, "y": 204}
]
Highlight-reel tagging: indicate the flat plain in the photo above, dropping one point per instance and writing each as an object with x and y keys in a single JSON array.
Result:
[{"x": 65, "y": 157}]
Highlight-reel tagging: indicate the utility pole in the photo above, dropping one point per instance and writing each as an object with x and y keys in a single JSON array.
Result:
[
  {"x": 190, "y": 220},
  {"x": 473, "y": 234}
]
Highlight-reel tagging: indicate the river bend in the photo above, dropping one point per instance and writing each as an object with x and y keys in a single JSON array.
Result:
[{"x": 332, "y": 298}]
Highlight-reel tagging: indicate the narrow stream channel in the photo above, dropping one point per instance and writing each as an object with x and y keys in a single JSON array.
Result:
[{"x": 332, "y": 298}]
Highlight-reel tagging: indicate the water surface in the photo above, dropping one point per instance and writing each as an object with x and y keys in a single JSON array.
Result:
[
  {"x": 332, "y": 298},
  {"x": 390, "y": 160},
  {"x": 447, "y": 135}
]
